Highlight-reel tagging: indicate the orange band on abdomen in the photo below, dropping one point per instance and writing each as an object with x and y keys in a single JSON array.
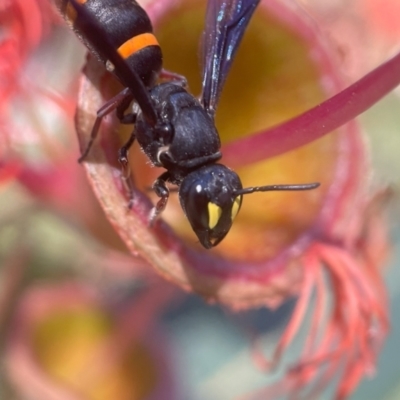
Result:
[{"x": 137, "y": 43}]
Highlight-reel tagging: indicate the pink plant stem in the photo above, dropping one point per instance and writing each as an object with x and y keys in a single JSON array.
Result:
[{"x": 317, "y": 122}]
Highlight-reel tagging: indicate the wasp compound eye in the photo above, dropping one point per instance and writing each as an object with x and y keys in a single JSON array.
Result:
[{"x": 208, "y": 197}]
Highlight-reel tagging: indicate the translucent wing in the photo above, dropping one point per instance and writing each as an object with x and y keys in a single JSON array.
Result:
[{"x": 226, "y": 22}]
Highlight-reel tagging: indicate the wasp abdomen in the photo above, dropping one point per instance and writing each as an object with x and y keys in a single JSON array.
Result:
[{"x": 128, "y": 29}]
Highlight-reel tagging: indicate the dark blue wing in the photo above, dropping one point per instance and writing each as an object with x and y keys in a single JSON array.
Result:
[{"x": 226, "y": 22}]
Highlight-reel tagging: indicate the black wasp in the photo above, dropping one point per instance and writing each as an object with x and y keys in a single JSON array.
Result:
[{"x": 174, "y": 129}]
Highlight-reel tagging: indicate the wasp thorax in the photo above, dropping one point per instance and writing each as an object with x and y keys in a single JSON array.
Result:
[{"x": 210, "y": 201}]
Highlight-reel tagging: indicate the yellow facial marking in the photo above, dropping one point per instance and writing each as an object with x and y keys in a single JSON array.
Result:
[
  {"x": 214, "y": 214},
  {"x": 236, "y": 207}
]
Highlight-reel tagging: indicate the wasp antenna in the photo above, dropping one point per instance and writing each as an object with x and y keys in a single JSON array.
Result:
[{"x": 269, "y": 188}]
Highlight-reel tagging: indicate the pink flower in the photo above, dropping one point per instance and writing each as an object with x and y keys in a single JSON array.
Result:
[
  {"x": 328, "y": 241},
  {"x": 281, "y": 244},
  {"x": 70, "y": 341},
  {"x": 20, "y": 34}
]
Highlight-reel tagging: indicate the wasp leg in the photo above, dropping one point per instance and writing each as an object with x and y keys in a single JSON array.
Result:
[
  {"x": 173, "y": 76},
  {"x": 129, "y": 118},
  {"x": 126, "y": 172},
  {"x": 120, "y": 99},
  {"x": 161, "y": 190}
]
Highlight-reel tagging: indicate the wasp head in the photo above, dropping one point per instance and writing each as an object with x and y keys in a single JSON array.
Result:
[{"x": 209, "y": 199}]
